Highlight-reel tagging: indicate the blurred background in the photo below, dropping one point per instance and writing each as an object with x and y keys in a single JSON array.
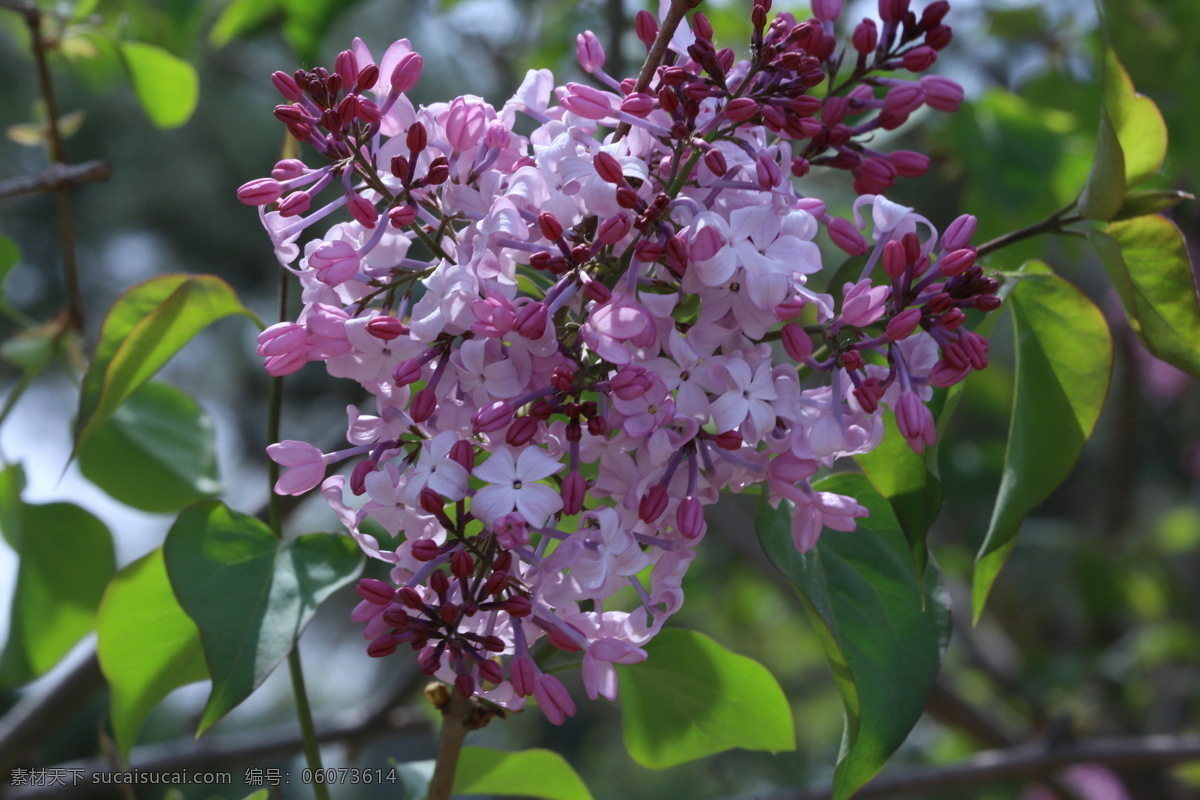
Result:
[{"x": 1092, "y": 628}]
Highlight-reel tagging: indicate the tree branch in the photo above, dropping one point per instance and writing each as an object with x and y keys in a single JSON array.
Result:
[
  {"x": 54, "y": 178},
  {"x": 670, "y": 23}
]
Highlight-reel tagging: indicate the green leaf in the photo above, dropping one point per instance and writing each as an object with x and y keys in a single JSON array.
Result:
[
  {"x": 249, "y": 594},
  {"x": 10, "y": 255},
  {"x": 146, "y": 644},
  {"x": 148, "y": 324},
  {"x": 167, "y": 87},
  {"x": 1064, "y": 363},
  {"x": 307, "y": 22},
  {"x": 1138, "y": 204},
  {"x": 529, "y": 773},
  {"x": 1137, "y": 121},
  {"x": 883, "y": 633},
  {"x": 692, "y": 698},
  {"x": 239, "y": 18},
  {"x": 156, "y": 453},
  {"x": 65, "y": 559},
  {"x": 1104, "y": 192},
  {"x": 1147, "y": 260},
  {"x": 912, "y": 489}
]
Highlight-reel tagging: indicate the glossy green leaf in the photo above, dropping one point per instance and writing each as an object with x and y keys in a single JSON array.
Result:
[
  {"x": 148, "y": 324},
  {"x": 156, "y": 453},
  {"x": 883, "y": 632},
  {"x": 1064, "y": 362},
  {"x": 146, "y": 644},
  {"x": 1139, "y": 204},
  {"x": 692, "y": 698},
  {"x": 1147, "y": 260},
  {"x": 1104, "y": 192},
  {"x": 167, "y": 87},
  {"x": 910, "y": 486},
  {"x": 239, "y": 18},
  {"x": 529, "y": 773},
  {"x": 249, "y": 594},
  {"x": 65, "y": 559},
  {"x": 1137, "y": 121}
]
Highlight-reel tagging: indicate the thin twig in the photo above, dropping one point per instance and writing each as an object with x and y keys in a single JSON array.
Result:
[
  {"x": 675, "y": 15},
  {"x": 1051, "y": 224},
  {"x": 56, "y": 177},
  {"x": 455, "y": 713}
]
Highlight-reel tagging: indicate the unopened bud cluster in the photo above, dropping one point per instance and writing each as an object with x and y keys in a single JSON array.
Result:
[{"x": 575, "y": 340}]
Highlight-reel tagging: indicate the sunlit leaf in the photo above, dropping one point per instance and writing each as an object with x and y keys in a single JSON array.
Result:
[
  {"x": 156, "y": 453},
  {"x": 1137, "y": 121},
  {"x": 1147, "y": 260},
  {"x": 239, "y": 18},
  {"x": 248, "y": 593},
  {"x": 147, "y": 325},
  {"x": 167, "y": 87},
  {"x": 883, "y": 632},
  {"x": 692, "y": 698},
  {"x": 528, "y": 773},
  {"x": 65, "y": 559},
  {"x": 1064, "y": 362},
  {"x": 1139, "y": 204},
  {"x": 1104, "y": 192},
  {"x": 146, "y": 644}
]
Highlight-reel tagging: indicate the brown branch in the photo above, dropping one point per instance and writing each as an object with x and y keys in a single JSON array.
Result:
[
  {"x": 54, "y": 178},
  {"x": 1035, "y": 760},
  {"x": 675, "y": 15}
]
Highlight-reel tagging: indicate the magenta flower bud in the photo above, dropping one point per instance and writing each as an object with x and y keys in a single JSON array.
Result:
[
  {"x": 934, "y": 13},
  {"x": 334, "y": 262},
  {"x": 295, "y": 204},
  {"x": 288, "y": 168},
  {"x": 597, "y": 291},
  {"x": 290, "y": 114},
  {"x": 702, "y": 27},
  {"x": 630, "y": 383},
  {"x": 574, "y": 490},
  {"x": 429, "y": 660},
  {"x": 939, "y": 38},
  {"x": 416, "y": 138},
  {"x": 915, "y": 422},
  {"x": 492, "y": 417},
  {"x": 383, "y": 646},
  {"x": 402, "y": 216},
  {"x": 553, "y": 699},
  {"x": 653, "y": 503},
  {"x": 904, "y": 99},
  {"x": 368, "y": 112},
  {"x": 729, "y": 440},
  {"x": 863, "y": 303},
  {"x": 740, "y": 109},
  {"x": 586, "y": 101},
  {"x": 627, "y": 197},
  {"x": 903, "y": 324},
  {"x": 286, "y": 85},
  {"x": 422, "y": 550},
  {"x": 800, "y": 166},
  {"x": 847, "y": 237},
  {"x": 531, "y": 320},
  {"x": 705, "y": 243},
  {"x": 689, "y": 517},
  {"x": 424, "y": 403},
  {"x": 895, "y": 260},
  {"x": 551, "y": 228},
  {"x": 259, "y": 192},
  {"x": 407, "y": 72},
  {"x": 462, "y": 566},
  {"x": 715, "y": 161},
  {"x": 368, "y": 76},
  {"x": 909, "y": 163},
  {"x": 496, "y": 135},
  {"x": 608, "y": 168},
  {"x": 491, "y": 672},
  {"x": 942, "y": 93},
  {"x": 892, "y": 10},
  {"x": 796, "y": 342},
  {"x": 346, "y": 65},
  {"x": 956, "y": 262},
  {"x": 431, "y": 502},
  {"x": 874, "y": 175},
  {"x": 834, "y": 110},
  {"x": 464, "y": 685},
  {"x": 363, "y": 210},
  {"x": 406, "y": 372},
  {"x": 386, "y": 328},
  {"x": 463, "y": 453},
  {"x": 827, "y": 10},
  {"x": 787, "y": 470},
  {"x": 852, "y": 360},
  {"x": 919, "y": 59},
  {"x": 952, "y": 319},
  {"x": 589, "y": 51},
  {"x": 943, "y": 375},
  {"x": 376, "y": 591},
  {"x": 791, "y": 308},
  {"x": 522, "y": 431},
  {"x": 866, "y": 37},
  {"x": 976, "y": 348},
  {"x": 646, "y": 27},
  {"x": 614, "y": 229},
  {"x": 959, "y": 232},
  {"x": 767, "y": 172},
  {"x": 439, "y": 171},
  {"x": 358, "y": 477},
  {"x": 639, "y": 104}
]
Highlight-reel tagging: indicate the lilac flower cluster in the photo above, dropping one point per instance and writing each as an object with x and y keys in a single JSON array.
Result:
[{"x": 568, "y": 336}]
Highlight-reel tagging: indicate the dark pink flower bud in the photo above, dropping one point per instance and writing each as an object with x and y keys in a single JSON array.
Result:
[
  {"x": 904, "y": 99},
  {"x": 368, "y": 76},
  {"x": 903, "y": 324},
  {"x": 767, "y": 171},
  {"x": 429, "y": 660},
  {"x": 646, "y": 27},
  {"x": 614, "y": 229},
  {"x": 866, "y": 37},
  {"x": 597, "y": 291},
  {"x": 464, "y": 685},
  {"x": 531, "y": 320},
  {"x": 376, "y": 591},
  {"x": 627, "y": 197},
  {"x": 934, "y": 13},
  {"x": 522, "y": 431},
  {"x": 714, "y": 159},
  {"x": 424, "y": 403},
  {"x": 439, "y": 171},
  {"x": 407, "y": 72},
  {"x": 800, "y": 166},
  {"x": 491, "y": 672},
  {"x": 919, "y": 59},
  {"x": 956, "y": 262},
  {"x": 402, "y": 216},
  {"x": 988, "y": 302},
  {"x": 847, "y": 237},
  {"x": 630, "y": 383},
  {"x": 368, "y": 112},
  {"x": 431, "y": 502},
  {"x": 386, "y": 328},
  {"x": 740, "y": 109},
  {"x": 827, "y": 10},
  {"x": 259, "y": 192},
  {"x": 653, "y": 503},
  {"x": 363, "y": 211},
  {"x": 440, "y": 584},
  {"x": 463, "y": 453},
  {"x": 346, "y": 65},
  {"x": 689, "y": 517},
  {"x": 791, "y": 308},
  {"x": 288, "y": 168},
  {"x": 952, "y": 319},
  {"x": 639, "y": 104},
  {"x": 406, "y": 372},
  {"x": 586, "y": 101},
  {"x": 551, "y": 228},
  {"x": 796, "y": 342},
  {"x": 589, "y": 51},
  {"x": 574, "y": 490},
  {"x": 608, "y": 168},
  {"x": 291, "y": 114},
  {"x": 959, "y": 232},
  {"x": 295, "y": 204},
  {"x": 358, "y": 477},
  {"x": 702, "y": 27},
  {"x": 383, "y": 646},
  {"x": 852, "y": 360},
  {"x": 416, "y": 138},
  {"x": 492, "y": 417},
  {"x": 729, "y": 440},
  {"x": 462, "y": 566},
  {"x": 895, "y": 260},
  {"x": 909, "y": 163},
  {"x": 874, "y": 175},
  {"x": 286, "y": 85},
  {"x": 939, "y": 38},
  {"x": 892, "y": 10},
  {"x": 915, "y": 421}
]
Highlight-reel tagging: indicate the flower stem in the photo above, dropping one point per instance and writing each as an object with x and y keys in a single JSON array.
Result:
[
  {"x": 1051, "y": 224},
  {"x": 675, "y": 15},
  {"x": 455, "y": 713}
]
